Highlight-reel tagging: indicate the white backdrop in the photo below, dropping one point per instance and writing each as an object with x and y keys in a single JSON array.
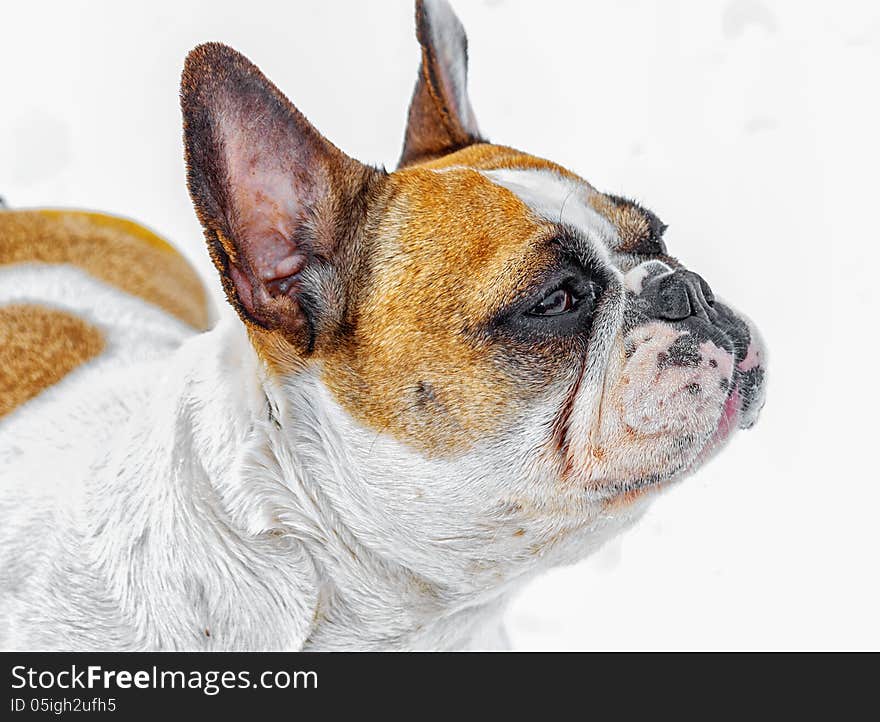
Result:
[{"x": 750, "y": 126}]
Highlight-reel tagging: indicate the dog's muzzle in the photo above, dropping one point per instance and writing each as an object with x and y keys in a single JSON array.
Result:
[{"x": 684, "y": 300}]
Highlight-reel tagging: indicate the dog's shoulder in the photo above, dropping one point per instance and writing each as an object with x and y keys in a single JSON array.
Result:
[{"x": 50, "y": 263}]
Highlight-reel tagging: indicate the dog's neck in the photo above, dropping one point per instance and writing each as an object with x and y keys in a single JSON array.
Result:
[{"x": 277, "y": 466}]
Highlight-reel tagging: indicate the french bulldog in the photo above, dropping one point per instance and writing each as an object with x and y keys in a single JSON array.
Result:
[{"x": 438, "y": 383}]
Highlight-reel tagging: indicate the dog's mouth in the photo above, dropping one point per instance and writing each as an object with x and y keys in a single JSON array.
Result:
[
  {"x": 742, "y": 407},
  {"x": 739, "y": 410},
  {"x": 670, "y": 403}
]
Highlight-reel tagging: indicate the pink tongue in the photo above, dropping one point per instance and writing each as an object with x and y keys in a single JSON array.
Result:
[
  {"x": 728, "y": 417},
  {"x": 725, "y": 425}
]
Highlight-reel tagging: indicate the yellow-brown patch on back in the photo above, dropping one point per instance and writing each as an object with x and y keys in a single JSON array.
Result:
[
  {"x": 38, "y": 347},
  {"x": 450, "y": 249},
  {"x": 115, "y": 250}
]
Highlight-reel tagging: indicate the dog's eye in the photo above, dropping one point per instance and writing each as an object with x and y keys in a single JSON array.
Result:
[
  {"x": 566, "y": 298},
  {"x": 562, "y": 300}
]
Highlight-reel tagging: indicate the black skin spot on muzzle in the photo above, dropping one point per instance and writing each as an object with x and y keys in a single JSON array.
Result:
[
  {"x": 750, "y": 382},
  {"x": 683, "y": 352}
]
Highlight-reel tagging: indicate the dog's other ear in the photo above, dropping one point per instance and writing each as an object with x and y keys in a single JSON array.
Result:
[
  {"x": 280, "y": 204},
  {"x": 441, "y": 119}
]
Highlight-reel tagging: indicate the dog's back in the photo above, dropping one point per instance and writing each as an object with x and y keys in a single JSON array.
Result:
[
  {"x": 87, "y": 300},
  {"x": 79, "y": 287}
]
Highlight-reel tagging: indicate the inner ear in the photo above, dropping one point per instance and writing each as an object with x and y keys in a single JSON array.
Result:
[
  {"x": 279, "y": 203},
  {"x": 441, "y": 119}
]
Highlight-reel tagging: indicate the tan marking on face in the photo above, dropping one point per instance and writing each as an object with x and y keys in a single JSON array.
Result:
[
  {"x": 445, "y": 249},
  {"x": 451, "y": 249},
  {"x": 484, "y": 156},
  {"x": 631, "y": 224},
  {"x": 38, "y": 347},
  {"x": 115, "y": 250}
]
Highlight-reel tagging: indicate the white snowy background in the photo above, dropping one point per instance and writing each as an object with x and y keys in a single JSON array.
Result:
[{"x": 750, "y": 126}]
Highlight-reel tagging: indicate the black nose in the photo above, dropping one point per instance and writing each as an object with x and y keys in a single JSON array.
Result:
[{"x": 679, "y": 295}]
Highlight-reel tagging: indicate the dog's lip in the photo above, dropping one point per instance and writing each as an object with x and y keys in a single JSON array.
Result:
[
  {"x": 730, "y": 413},
  {"x": 630, "y": 490},
  {"x": 731, "y": 418}
]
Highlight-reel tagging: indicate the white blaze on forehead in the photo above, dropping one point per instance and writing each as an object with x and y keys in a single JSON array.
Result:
[{"x": 559, "y": 200}]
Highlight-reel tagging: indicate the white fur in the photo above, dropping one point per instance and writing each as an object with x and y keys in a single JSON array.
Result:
[{"x": 559, "y": 200}]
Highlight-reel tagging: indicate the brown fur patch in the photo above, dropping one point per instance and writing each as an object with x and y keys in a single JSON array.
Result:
[
  {"x": 443, "y": 252},
  {"x": 446, "y": 250},
  {"x": 114, "y": 250},
  {"x": 414, "y": 363},
  {"x": 634, "y": 227},
  {"x": 631, "y": 224},
  {"x": 38, "y": 347},
  {"x": 439, "y": 253}
]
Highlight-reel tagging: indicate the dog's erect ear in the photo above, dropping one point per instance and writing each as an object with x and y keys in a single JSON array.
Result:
[
  {"x": 441, "y": 119},
  {"x": 280, "y": 204}
]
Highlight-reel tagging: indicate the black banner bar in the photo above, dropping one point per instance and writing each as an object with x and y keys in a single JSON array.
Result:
[{"x": 128, "y": 686}]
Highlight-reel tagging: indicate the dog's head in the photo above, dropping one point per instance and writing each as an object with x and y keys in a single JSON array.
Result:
[{"x": 503, "y": 350}]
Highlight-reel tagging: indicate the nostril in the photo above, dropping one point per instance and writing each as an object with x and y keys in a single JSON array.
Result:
[{"x": 707, "y": 292}]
